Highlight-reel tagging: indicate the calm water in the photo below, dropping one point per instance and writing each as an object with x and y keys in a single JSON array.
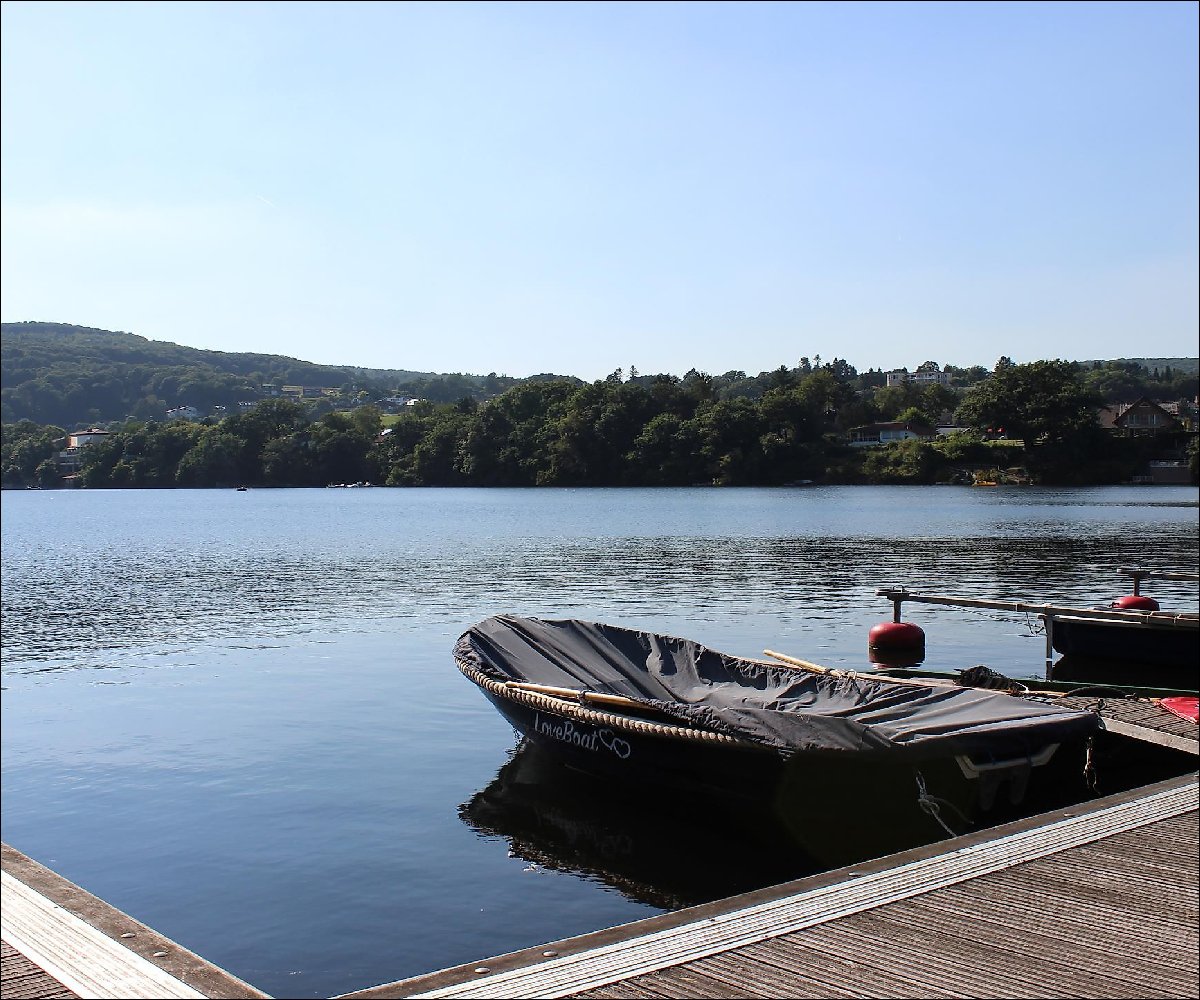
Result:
[{"x": 235, "y": 716}]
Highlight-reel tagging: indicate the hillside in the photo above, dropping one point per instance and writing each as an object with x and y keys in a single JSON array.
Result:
[
  {"x": 1181, "y": 366},
  {"x": 71, "y": 376},
  {"x": 57, "y": 373}
]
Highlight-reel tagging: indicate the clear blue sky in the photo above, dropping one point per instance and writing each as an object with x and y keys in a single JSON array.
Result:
[{"x": 580, "y": 187}]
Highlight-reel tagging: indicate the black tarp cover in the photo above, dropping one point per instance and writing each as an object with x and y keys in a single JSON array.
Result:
[{"x": 775, "y": 706}]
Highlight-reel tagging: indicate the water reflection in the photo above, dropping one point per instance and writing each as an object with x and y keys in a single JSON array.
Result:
[
  {"x": 668, "y": 851},
  {"x": 660, "y": 846}
]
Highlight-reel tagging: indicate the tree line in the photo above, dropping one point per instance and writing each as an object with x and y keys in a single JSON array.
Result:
[
  {"x": 631, "y": 430},
  {"x": 70, "y": 376}
]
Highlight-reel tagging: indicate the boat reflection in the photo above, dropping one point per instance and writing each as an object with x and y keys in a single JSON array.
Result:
[
  {"x": 673, "y": 850},
  {"x": 665, "y": 850},
  {"x": 1130, "y": 674}
]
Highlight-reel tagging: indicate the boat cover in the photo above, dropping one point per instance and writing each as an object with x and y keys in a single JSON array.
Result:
[{"x": 785, "y": 708}]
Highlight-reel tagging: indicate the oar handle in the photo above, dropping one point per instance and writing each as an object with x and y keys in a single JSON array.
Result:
[{"x": 794, "y": 661}]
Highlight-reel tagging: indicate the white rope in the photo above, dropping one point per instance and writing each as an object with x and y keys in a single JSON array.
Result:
[{"x": 932, "y": 805}]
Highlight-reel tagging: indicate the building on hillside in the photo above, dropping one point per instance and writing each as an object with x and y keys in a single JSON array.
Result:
[
  {"x": 183, "y": 413},
  {"x": 70, "y": 459},
  {"x": 306, "y": 392},
  {"x": 885, "y": 433},
  {"x": 901, "y": 376},
  {"x": 1145, "y": 417},
  {"x": 80, "y": 439},
  {"x": 394, "y": 404}
]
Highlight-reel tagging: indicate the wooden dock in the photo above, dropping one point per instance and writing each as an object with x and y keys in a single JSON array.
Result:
[
  {"x": 1096, "y": 900},
  {"x": 1144, "y": 721},
  {"x": 60, "y": 941}
]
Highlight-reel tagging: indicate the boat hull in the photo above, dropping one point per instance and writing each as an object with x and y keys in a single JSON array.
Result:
[
  {"x": 1173, "y": 648},
  {"x": 622, "y": 754},
  {"x": 802, "y": 786}
]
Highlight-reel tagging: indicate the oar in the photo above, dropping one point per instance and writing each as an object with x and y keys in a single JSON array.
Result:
[
  {"x": 794, "y": 661},
  {"x": 616, "y": 700},
  {"x": 816, "y": 668}
]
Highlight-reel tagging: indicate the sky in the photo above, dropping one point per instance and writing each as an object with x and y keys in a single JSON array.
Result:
[{"x": 584, "y": 187}]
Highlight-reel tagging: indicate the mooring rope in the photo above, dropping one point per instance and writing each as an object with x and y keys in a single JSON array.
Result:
[
  {"x": 1089, "y": 767},
  {"x": 932, "y": 805}
]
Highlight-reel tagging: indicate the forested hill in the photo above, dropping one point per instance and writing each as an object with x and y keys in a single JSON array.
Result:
[
  {"x": 69, "y": 376},
  {"x": 57, "y": 373}
]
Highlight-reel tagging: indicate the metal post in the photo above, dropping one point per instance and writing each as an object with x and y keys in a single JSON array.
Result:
[{"x": 1049, "y": 620}]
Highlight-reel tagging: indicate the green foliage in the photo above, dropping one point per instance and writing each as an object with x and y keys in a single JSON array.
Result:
[
  {"x": 905, "y": 462},
  {"x": 78, "y": 376},
  {"x": 732, "y": 429},
  {"x": 1042, "y": 403},
  {"x": 963, "y": 447},
  {"x": 25, "y": 447}
]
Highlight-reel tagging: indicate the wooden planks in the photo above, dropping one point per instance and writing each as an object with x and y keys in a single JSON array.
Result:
[
  {"x": 94, "y": 950},
  {"x": 1062, "y": 905},
  {"x": 77, "y": 955},
  {"x": 23, "y": 980},
  {"x": 1097, "y": 930},
  {"x": 1141, "y": 720}
]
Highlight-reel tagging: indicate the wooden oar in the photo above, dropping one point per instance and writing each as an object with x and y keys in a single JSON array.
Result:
[
  {"x": 816, "y": 668},
  {"x": 795, "y": 661},
  {"x": 572, "y": 694}
]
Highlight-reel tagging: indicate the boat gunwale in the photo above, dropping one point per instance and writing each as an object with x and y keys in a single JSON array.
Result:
[{"x": 594, "y": 716}]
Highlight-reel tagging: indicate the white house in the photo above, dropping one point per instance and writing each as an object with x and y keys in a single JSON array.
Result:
[
  {"x": 902, "y": 375},
  {"x": 876, "y": 434},
  {"x": 81, "y": 438}
]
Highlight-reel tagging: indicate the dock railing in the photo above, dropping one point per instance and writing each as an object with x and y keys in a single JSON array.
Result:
[
  {"x": 1049, "y": 613},
  {"x": 1138, "y": 575}
]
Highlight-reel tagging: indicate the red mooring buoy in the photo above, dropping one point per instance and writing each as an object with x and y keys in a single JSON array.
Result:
[
  {"x": 896, "y": 635},
  {"x": 1135, "y": 602}
]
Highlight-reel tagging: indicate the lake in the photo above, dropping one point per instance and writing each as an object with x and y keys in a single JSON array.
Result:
[{"x": 235, "y": 715}]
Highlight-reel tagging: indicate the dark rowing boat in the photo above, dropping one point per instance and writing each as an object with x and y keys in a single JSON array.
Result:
[
  {"x": 1127, "y": 643},
  {"x": 1168, "y": 643},
  {"x": 638, "y": 706}
]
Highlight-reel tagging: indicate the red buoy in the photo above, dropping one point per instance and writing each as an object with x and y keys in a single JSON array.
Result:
[
  {"x": 896, "y": 635},
  {"x": 1135, "y": 602}
]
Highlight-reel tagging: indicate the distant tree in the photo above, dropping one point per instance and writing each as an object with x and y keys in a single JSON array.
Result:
[
  {"x": 24, "y": 448},
  {"x": 911, "y": 461},
  {"x": 842, "y": 370},
  {"x": 667, "y": 452},
  {"x": 1040, "y": 403}
]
